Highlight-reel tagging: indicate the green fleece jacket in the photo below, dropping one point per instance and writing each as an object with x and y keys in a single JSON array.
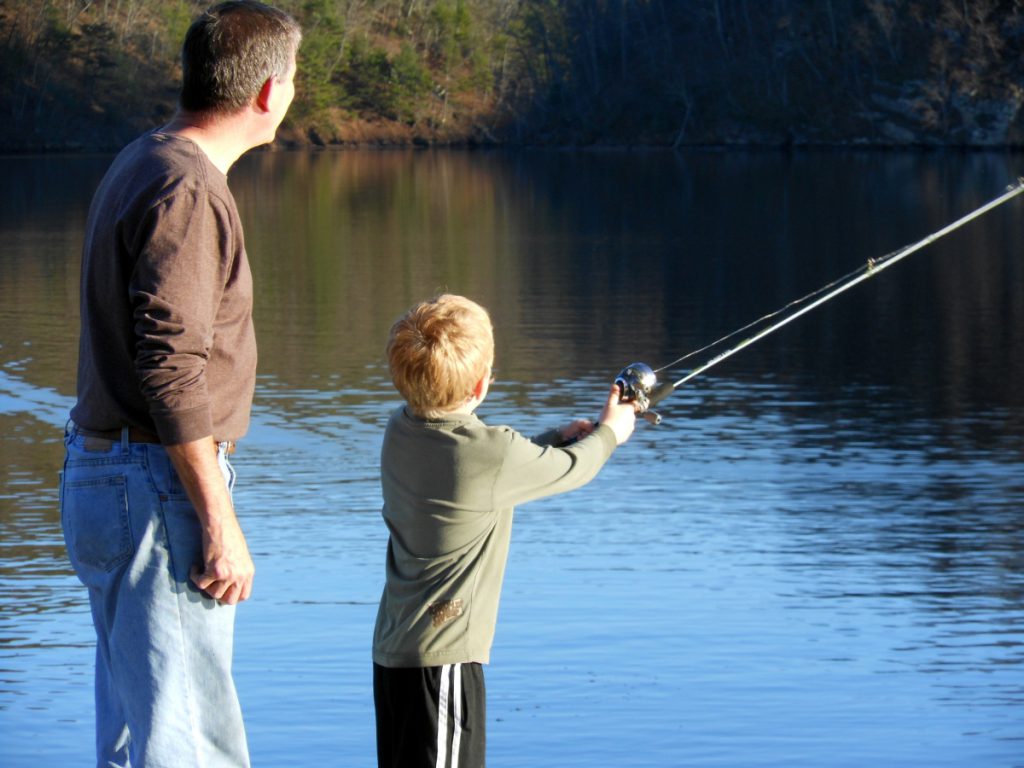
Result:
[{"x": 449, "y": 488}]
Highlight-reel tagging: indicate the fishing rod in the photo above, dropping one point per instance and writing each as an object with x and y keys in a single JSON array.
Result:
[{"x": 639, "y": 382}]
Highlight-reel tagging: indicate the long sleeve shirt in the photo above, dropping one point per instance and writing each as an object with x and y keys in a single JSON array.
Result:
[
  {"x": 449, "y": 488},
  {"x": 167, "y": 341}
]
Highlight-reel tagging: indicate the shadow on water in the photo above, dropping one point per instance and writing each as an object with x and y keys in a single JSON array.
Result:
[{"x": 818, "y": 558}]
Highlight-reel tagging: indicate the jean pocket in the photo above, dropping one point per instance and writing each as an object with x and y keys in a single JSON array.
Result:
[{"x": 97, "y": 530}]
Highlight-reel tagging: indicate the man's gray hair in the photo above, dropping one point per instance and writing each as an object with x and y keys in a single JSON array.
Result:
[{"x": 231, "y": 50}]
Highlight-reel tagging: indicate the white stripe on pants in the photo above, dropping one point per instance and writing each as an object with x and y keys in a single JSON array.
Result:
[{"x": 450, "y": 691}]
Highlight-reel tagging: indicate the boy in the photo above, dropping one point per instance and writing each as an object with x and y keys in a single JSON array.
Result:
[{"x": 449, "y": 484}]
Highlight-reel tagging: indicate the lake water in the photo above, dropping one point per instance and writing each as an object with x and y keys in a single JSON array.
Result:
[{"x": 816, "y": 560}]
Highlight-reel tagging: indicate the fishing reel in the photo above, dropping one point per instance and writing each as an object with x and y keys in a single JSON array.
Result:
[{"x": 639, "y": 384}]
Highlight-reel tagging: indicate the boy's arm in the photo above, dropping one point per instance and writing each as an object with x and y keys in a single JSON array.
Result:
[
  {"x": 531, "y": 471},
  {"x": 620, "y": 416},
  {"x": 571, "y": 432}
]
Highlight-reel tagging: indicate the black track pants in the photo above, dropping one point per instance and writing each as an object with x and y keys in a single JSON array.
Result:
[{"x": 430, "y": 717}]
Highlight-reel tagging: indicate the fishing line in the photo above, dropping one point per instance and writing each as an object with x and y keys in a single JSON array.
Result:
[
  {"x": 760, "y": 320},
  {"x": 639, "y": 382}
]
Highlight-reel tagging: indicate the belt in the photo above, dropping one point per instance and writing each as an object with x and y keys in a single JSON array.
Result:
[{"x": 136, "y": 435}]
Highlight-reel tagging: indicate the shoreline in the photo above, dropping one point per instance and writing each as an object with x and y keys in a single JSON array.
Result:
[{"x": 472, "y": 144}]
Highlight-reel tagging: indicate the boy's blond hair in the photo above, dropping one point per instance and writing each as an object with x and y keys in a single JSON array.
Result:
[{"x": 438, "y": 351}]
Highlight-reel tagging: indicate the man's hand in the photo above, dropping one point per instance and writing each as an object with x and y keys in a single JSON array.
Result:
[{"x": 228, "y": 570}]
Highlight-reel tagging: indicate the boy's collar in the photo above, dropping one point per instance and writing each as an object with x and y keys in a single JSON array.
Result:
[{"x": 451, "y": 417}]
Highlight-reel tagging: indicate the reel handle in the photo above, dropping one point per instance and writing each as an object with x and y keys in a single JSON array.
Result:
[{"x": 639, "y": 384}]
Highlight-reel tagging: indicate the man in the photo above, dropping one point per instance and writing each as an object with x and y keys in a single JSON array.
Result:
[{"x": 166, "y": 374}]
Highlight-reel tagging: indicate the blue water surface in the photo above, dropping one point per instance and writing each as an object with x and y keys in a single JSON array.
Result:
[{"x": 817, "y": 559}]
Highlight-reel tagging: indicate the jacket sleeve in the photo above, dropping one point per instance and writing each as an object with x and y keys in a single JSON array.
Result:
[{"x": 531, "y": 471}]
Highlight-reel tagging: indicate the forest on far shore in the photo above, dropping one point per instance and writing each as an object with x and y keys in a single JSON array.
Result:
[{"x": 91, "y": 74}]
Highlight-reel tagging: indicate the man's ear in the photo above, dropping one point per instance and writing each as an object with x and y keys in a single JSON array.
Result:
[{"x": 263, "y": 97}]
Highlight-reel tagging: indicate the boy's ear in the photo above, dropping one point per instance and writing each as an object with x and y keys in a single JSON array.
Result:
[{"x": 481, "y": 386}]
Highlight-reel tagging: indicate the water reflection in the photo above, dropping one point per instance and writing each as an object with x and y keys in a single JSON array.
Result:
[{"x": 818, "y": 553}]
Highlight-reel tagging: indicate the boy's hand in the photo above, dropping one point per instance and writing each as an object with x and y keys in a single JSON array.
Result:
[
  {"x": 576, "y": 430},
  {"x": 621, "y": 417}
]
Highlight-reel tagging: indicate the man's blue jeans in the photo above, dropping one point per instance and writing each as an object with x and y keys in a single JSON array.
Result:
[{"x": 164, "y": 693}]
